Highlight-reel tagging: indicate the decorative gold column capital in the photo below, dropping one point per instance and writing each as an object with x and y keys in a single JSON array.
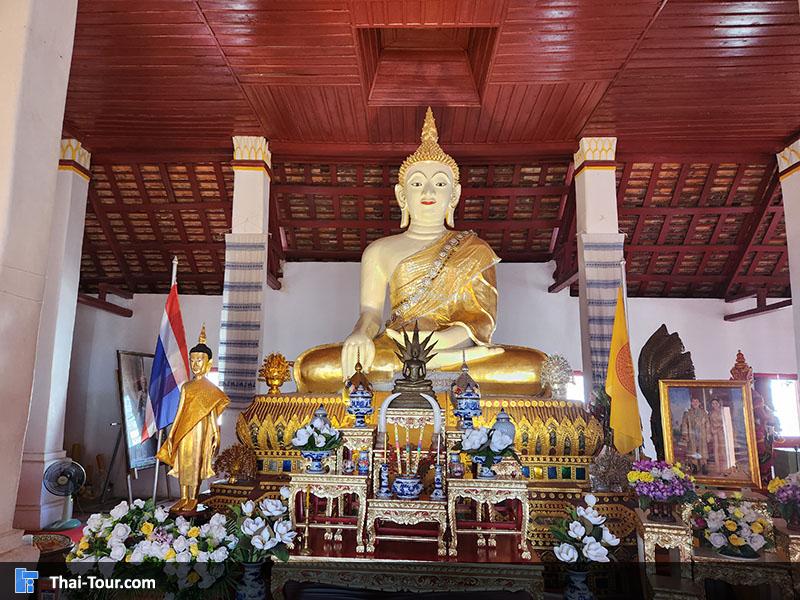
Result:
[
  {"x": 789, "y": 160},
  {"x": 251, "y": 148},
  {"x": 595, "y": 149},
  {"x": 74, "y": 157}
]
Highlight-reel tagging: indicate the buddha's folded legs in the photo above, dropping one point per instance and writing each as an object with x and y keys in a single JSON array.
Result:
[{"x": 515, "y": 371}]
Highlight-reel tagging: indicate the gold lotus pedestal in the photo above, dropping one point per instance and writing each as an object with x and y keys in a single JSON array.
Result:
[
  {"x": 406, "y": 512},
  {"x": 332, "y": 487},
  {"x": 488, "y": 492}
]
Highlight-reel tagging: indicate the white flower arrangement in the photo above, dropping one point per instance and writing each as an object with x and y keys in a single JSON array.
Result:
[
  {"x": 583, "y": 537},
  {"x": 317, "y": 436},
  {"x": 487, "y": 443},
  {"x": 262, "y": 529}
]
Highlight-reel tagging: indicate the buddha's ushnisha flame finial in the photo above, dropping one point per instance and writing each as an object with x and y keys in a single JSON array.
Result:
[
  {"x": 202, "y": 337},
  {"x": 429, "y": 149}
]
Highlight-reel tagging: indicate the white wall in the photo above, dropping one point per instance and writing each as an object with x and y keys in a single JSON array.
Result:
[{"x": 319, "y": 304}]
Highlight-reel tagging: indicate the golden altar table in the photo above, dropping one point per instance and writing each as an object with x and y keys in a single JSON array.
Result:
[
  {"x": 331, "y": 487},
  {"x": 406, "y": 512},
  {"x": 489, "y": 492}
]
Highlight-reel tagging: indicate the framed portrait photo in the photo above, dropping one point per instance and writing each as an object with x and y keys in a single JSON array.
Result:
[
  {"x": 133, "y": 373},
  {"x": 708, "y": 427}
]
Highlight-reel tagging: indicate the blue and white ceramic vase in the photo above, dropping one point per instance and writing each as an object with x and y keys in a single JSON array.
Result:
[
  {"x": 360, "y": 405},
  {"x": 252, "y": 585},
  {"x": 577, "y": 587},
  {"x": 407, "y": 487},
  {"x": 438, "y": 484},
  {"x": 316, "y": 457},
  {"x": 485, "y": 472},
  {"x": 384, "y": 491}
]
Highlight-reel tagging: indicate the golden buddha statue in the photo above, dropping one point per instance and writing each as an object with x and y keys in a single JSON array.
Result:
[
  {"x": 194, "y": 437},
  {"x": 442, "y": 279}
]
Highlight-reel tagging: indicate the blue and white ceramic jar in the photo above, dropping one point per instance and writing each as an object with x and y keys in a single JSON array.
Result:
[
  {"x": 316, "y": 457},
  {"x": 407, "y": 487}
]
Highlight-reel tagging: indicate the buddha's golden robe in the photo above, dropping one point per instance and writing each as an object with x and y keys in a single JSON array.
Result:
[
  {"x": 452, "y": 282},
  {"x": 194, "y": 437}
]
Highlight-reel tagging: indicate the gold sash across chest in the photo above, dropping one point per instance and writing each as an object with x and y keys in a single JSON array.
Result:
[{"x": 451, "y": 282}]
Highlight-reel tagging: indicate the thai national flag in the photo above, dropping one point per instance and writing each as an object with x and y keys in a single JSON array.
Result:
[{"x": 170, "y": 368}]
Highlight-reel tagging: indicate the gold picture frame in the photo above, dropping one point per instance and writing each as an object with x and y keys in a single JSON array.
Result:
[{"x": 716, "y": 442}]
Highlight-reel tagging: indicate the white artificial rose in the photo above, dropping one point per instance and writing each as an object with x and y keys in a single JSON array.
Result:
[
  {"x": 217, "y": 533},
  {"x": 183, "y": 557},
  {"x": 319, "y": 440},
  {"x": 576, "y": 530},
  {"x": 120, "y": 532},
  {"x": 95, "y": 522},
  {"x": 566, "y": 553},
  {"x": 160, "y": 514},
  {"x": 594, "y": 550},
  {"x": 231, "y": 542},
  {"x": 317, "y": 423},
  {"x": 500, "y": 441},
  {"x": 248, "y": 508},
  {"x": 138, "y": 503},
  {"x": 120, "y": 510},
  {"x": 252, "y": 526},
  {"x": 718, "y": 540},
  {"x": 218, "y": 519},
  {"x": 137, "y": 555},
  {"x": 202, "y": 556},
  {"x": 474, "y": 438},
  {"x": 757, "y": 541},
  {"x": 668, "y": 474},
  {"x": 284, "y": 532},
  {"x": 219, "y": 555},
  {"x": 285, "y": 492},
  {"x": 590, "y": 500},
  {"x": 271, "y": 507},
  {"x": 259, "y": 542},
  {"x": 117, "y": 551},
  {"x": 87, "y": 532},
  {"x": 591, "y": 515},
  {"x": 180, "y": 544},
  {"x": 609, "y": 538}
]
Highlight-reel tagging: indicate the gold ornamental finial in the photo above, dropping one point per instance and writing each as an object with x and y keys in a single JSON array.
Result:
[
  {"x": 429, "y": 149},
  {"x": 202, "y": 337}
]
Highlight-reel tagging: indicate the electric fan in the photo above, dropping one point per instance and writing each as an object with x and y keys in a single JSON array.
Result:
[{"x": 64, "y": 478}]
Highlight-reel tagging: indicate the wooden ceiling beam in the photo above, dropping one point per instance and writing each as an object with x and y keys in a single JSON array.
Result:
[
  {"x": 111, "y": 239},
  {"x": 747, "y": 234}
]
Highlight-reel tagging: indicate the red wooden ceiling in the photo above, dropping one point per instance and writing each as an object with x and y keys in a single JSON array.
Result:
[{"x": 700, "y": 94}]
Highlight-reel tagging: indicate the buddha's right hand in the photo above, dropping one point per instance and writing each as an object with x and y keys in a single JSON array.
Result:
[{"x": 357, "y": 347}]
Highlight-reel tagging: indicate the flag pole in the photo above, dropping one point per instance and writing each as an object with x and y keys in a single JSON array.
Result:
[{"x": 160, "y": 432}]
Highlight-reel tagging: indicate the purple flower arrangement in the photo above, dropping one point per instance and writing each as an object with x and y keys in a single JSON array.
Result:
[
  {"x": 659, "y": 481},
  {"x": 785, "y": 495}
]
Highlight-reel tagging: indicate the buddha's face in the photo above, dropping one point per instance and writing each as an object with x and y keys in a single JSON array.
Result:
[
  {"x": 199, "y": 363},
  {"x": 428, "y": 194}
]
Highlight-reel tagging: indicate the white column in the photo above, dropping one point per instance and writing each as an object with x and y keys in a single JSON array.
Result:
[
  {"x": 44, "y": 439},
  {"x": 35, "y": 53},
  {"x": 789, "y": 173},
  {"x": 599, "y": 253},
  {"x": 245, "y": 278}
]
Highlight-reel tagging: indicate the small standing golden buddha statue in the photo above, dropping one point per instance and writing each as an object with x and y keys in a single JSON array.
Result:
[
  {"x": 442, "y": 279},
  {"x": 194, "y": 437}
]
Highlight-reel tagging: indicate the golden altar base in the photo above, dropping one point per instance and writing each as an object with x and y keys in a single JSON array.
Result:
[
  {"x": 406, "y": 512},
  {"x": 670, "y": 536},
  {"x": 418, "y": 577},
  {"x": 489, "y": 492},
  {"x": 331, "y": 487},
  {"x": 769, "y": 568}
]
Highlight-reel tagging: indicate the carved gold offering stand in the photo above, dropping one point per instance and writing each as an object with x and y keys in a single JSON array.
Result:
[
  {"x": 489, "y": 492},
  {"x": 417, "y": 577},
  {"x": 787, "y": 547},
  {"x": 406, "y": 512},
  {"x": 769, "y": 568},
  {"x": 331, "y": 487},
  {"x": 670, "y": 536}
]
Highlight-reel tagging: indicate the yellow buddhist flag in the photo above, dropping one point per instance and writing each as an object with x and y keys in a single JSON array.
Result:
[{"x": 620, "y": 386}]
